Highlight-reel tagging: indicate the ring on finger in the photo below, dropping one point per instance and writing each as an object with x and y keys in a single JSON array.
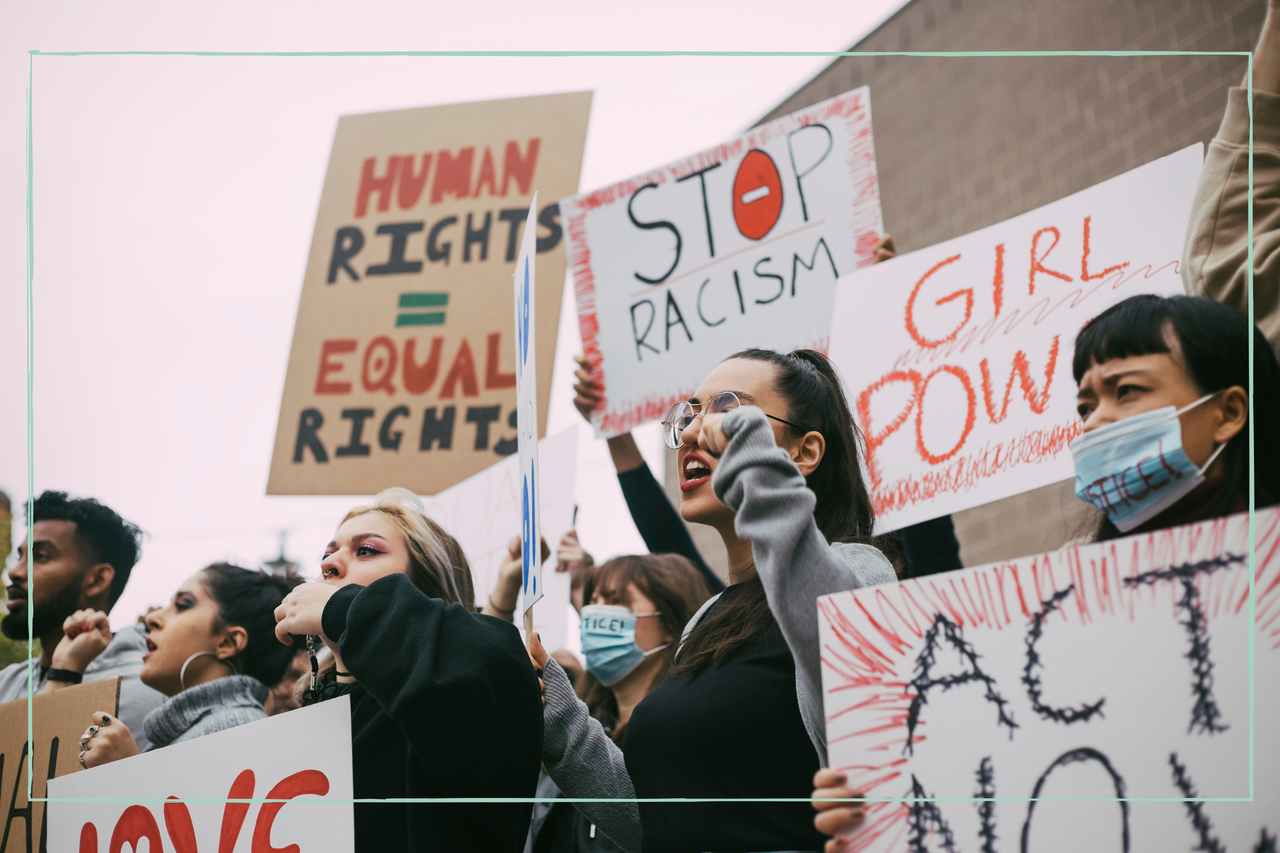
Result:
[
  {"x": 82, "y": 764},
  {"x": 87, "y": 736}
]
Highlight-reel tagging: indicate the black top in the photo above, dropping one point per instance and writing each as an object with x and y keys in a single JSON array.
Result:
[
  {"x": 732, "y": 731},
  {"x": 446, "y": 704},
  {"x": 659, "y": 524},
  {"x": 931, "y": 547}
]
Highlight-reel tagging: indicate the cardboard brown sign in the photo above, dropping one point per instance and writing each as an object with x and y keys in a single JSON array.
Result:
[
  {"x": 57, "y": 719},
  {"x": 402, "y": 371}
]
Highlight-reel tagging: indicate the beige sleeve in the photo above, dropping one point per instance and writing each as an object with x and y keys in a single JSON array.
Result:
[{"x": 1214, "y": 259}]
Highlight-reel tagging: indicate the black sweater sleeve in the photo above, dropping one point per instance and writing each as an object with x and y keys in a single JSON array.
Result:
[
  {"x": 458, "y": 684},
  {"x": 659, "y": 524}
]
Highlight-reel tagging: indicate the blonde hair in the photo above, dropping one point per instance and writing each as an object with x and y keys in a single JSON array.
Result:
[{"x": 438, "y": 566}]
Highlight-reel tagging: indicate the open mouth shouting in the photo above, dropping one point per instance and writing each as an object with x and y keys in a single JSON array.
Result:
[
  {"x": 696, "y": 471},
  {"x": 151, "y": 646}
]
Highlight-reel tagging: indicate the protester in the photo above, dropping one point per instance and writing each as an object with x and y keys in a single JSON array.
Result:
[
  {"x": 573, "y": 560},
  {"x": 740, "y": 715},
  {"x": 212, "y": 651},
  {"x": 79, "y": 558},
  {"x": 638, "y": 606},
  {"x": 1167, "y": 378},
  {"x": 443, "y": 703},
  {"x": 506, "y": 591},
  {"x": 1178, "y": 367},
  {"x": 1215, "y": 259}
]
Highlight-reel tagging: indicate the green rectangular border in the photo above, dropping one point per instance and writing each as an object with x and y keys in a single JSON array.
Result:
[{"x": 30, "y": 327}]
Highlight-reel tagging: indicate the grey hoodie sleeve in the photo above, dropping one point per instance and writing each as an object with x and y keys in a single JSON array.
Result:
[
  {"x": 774, "y": 508},
  {"x": 585, "y": 762}
]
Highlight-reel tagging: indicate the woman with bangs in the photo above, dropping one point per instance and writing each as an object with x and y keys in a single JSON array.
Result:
[{"x": 442, "y": 700}]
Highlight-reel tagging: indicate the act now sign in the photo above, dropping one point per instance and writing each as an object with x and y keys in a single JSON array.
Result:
[
  {"x": 957, "y": 358},
  {"x": 403, "y": 367}
]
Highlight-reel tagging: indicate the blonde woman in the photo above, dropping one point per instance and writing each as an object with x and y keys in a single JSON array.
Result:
[{"x": 443, "y": 702}]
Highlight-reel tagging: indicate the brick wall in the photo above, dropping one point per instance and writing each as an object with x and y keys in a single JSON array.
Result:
[{"x": 962, "y": 143}]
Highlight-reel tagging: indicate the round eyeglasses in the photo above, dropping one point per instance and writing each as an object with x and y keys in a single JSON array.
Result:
[{"x": 682, "y": 415}]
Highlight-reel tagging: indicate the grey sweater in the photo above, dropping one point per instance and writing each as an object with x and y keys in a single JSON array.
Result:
[
  {"x": 774, "y": 511},
  {"x": 207, "y": 708}
]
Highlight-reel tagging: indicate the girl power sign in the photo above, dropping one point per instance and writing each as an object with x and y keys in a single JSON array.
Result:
[
  {"x": 1046, "y": 704},
  {"x": 737, "y": 246},
  {"x": 957, "y": 358}
]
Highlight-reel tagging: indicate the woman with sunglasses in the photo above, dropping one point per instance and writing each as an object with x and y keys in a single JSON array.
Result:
[{"x": 768, "y": 456}]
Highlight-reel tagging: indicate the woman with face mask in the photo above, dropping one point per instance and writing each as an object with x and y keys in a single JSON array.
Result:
[
  {"x": 1164, "y": 408},
  {"x": 443, "y": 703},
  {"x": 212, "y": 651},
  {"x": 768, "y": 457},
  {"x": 635, "y": 611}
]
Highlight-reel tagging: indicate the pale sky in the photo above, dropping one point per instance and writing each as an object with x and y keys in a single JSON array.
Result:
[{"x": 175, "y": 199}]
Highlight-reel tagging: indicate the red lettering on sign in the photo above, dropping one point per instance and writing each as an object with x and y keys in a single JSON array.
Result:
[
  {"x": 411, "y": 183},
  {"x": 1038, "y": 400},
  {"x": 233, "y": 814},
  {"x": 88, "y": 838},
  {"x": 464, "y": 371},
  {"x": 134, "y": 825},
  {"x": 302, "y": 782},
  {"x": 487, "y": 175},
  {"x": 379, "y": 359},
  {"x": 757, "y": 195},
  {"x": 177, "y": 820},
  {"x": 453, "y": 175},
  {"x": 327, "y": 350},
  {"x": 370, "y": 183},
  {"x": 520, "y": 168},
  {"x": 1037, "y": 264},
  {"x": 875, "y": 439},
  {"x": 997, "y": 281},
  {"x": 959, "y": 373},
  {"x": 967, "y": 293},
  {"x": 418, "y": 378},
  {"x": 493, "y": 377},
  {"x": 1084, "y": 259}
]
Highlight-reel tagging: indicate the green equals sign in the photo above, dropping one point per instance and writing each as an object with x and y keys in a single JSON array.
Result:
[{"x": 421, "y": 318}]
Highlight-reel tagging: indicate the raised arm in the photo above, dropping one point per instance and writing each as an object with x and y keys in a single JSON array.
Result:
[
  {"x": 774, "y": 507},
  {"x": 442, "y": 672}
]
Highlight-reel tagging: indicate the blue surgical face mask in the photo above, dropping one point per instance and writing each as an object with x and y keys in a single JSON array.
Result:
[
  {"x": 609, "y": 642},
  {"x": 1135, "y": 469}
]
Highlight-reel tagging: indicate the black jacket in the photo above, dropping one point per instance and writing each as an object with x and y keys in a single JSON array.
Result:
[{"x": 446, "y": 704}]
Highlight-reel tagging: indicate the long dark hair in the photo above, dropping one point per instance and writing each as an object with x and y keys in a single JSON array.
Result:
[
  {"x": 1214, "y": 340},
  {"x": 248, "y": 599},
  {"x": 676, "y": 589},
  {"x": 815, "y": 400}
]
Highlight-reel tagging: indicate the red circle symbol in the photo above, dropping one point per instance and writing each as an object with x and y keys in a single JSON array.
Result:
[{"x": 757, "y": 195}]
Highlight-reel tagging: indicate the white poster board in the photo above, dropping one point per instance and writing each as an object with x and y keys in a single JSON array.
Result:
[
  {"x": 303, "y": 756},
  {"x": 1118, "y": 669},
  {"x": 957, "y": 358},
  {"x": 524, "y": 282},
  {"x": 737, "y": 246},
  {"x": 483, "y": 513}
]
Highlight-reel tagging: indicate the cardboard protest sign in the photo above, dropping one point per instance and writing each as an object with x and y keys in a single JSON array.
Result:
[
  {"x": 302, "y": 757},
  {"x": 402, "y": 370},
  {"x": 58, "y": 719},
  {"x": 527, "y": 414},
  {"x": 1113, "y": 670},
  {"x": 737, "y": 246},
  {"x": 484, "y": 512},
  {"x": 957, "y": 358}
]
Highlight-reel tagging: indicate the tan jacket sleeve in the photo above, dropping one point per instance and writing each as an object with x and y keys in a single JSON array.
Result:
[{"x": 1214, "y": 259}]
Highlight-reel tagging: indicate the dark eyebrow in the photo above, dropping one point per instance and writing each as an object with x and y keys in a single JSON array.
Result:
[
  {"x": 361, "y": 537},
  {"x": 1116, "y": 377}
]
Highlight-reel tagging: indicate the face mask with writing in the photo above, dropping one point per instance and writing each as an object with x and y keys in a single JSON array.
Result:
[
  {"x": 1136, "y": 468},
  {"x": 609, "y": 642}
]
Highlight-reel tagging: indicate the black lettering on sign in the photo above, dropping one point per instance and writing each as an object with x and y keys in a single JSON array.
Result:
[
  {"x": 549, "y": 218},
  {"x": 1205, "y": 716},
  {"x": 782, "y": 284},
  {"x": 437, "y": 429},
  {"x": 985, "y": 798},
  {"x": 926, "y": 681},
  {"x": 635, "y": 329},
  {"x": 347, "y": 243},
  {"x": 513, "y": 216},
  {"x": 387, "y": 438},
  {"x": 436, "y": 252},
  {"x": 797, "y": 262},
  {"x": 24, "y": 813},
  {"x": 309, "y": 423},
  {"x": 1031, "y": 677},
  {"x": 679, "y": 320},
  {"x": 701, "y": 175},
  {"x": 924, "y": 817},
  {"x": 809, "y": 167},
  {"x": 662, "y": 223},
  {"x": 508, "y": 446},
  {"x": 396, "y": 263},
  {"x": 701, "y": 316},
  {"x": 355, "y": 447},
  {"x": 1209, "y": 842},
  {"x": 482, "y": 416},
  {"x": 477, "y": 235},
  {"x": 1073, "y": 757}
]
